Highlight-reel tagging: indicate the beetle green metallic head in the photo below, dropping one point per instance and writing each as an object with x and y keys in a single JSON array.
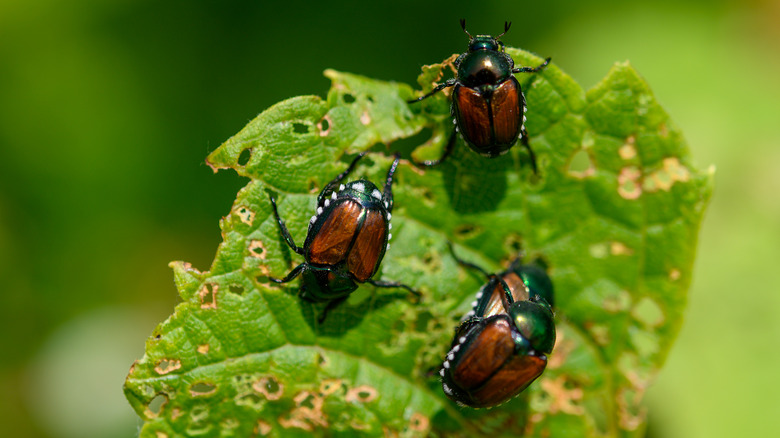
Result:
[
  {"x": 538, "y": 282},
  {"x": 484, "y": 42}
]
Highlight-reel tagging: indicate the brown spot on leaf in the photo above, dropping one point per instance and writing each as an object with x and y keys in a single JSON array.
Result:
[
  {"x": 665, "y": 178},
  {"x": 563, "y": 347},
  {"x": 330, "y": 386},
  {"x": 203, "y": 348},
  {"x": 365, "y": 118},
  {"x": 307, "y": 414},
  {"x": 563, "y": 398},
  {"x": 165, "y": 366},
  {"x": 262, "y": 428},
  {"x": 246, "y": 215},
  {"x": 627, "y": 151},
  {"x": 362, "y": 394},
  {"x": 269, "y": 387},
  {"x": 325, "y": 125},
  {"x": 175, "y": 413},
  {"x": 200, "y": 389},
  {"x": 631, "y": 414},
  {"x": 628, "y": 183},
  {"x": 419, "y": 422},
  {"x": 161, "y": 434},
  {"x": 619, "y": 248},
  {"x": 674, "y": 274},
  {"x": 257, "y": 249},
  {"x": 389, "y": 433},
  {"x": 208, "y": 296}
]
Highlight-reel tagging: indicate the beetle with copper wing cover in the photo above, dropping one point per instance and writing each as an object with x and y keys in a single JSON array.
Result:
[
  {"x": 501, "y": 345},
  {"x": 488, "y": 104},
  {"x": 346, "y": 240}
]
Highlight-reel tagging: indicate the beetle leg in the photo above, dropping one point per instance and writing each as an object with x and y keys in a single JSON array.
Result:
[
  {"x": 291, "y": 276},
  {"x": 283, "y": 228},
  {"x": 447, "y": 151},
  {"x": 524, "y": 141},
  {"x": 329, "y": 187},
  {"x": 532, "y": 69},
  {"x": 448, "y": 83},
  {"x": 388, "y": 284},
  {"x": 467, "y": 264},
  {"x": 388, "y": 193}
]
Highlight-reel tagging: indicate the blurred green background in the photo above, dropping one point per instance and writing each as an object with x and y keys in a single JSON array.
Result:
[{"x": 108, "y": 109}]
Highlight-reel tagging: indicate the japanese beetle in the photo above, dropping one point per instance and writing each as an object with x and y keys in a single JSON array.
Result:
[
  {"x": 488, "y": 104},
  {"x": 501, "y": 346},
  {"x": 346, "y": 240}
]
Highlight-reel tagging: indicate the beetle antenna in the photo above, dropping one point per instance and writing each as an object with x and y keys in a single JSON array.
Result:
[
  {"x": 507, "y": 25},
  {"x": 463, "y": 25}
]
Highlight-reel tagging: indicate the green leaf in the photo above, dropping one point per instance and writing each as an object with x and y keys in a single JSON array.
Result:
[{"x": 614, "y": 212}]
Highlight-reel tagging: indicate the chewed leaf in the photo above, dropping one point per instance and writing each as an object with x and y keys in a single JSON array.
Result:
[{"x": 613, "y": 212}]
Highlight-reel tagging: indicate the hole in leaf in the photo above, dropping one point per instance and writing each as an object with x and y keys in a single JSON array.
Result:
[
  {"x": 405, "y": 146},
  {"x": 165, "y": 366},
  {"x": 324, "y": 126},
  {"x": 313, "y": 186},
  {"x": 581, "y": 165},
  {"x": 300, "y": 128},
  {"x": 648, "y": 312},
  {"x": 246, "y": 215},
  {"x": 208, "y": 296},
  {"x": 243, "y": 159},
  {"x": 514, "y": 243},
  {"x": 269, "y": 387},
  {"x": 362, "y": 394},
  {"x": 236, "y": 289},
  {"x": 202, "y": 388},
  {"x": 249, "y": 399},
  {"x": 348, "y": 98},
  {"x": 262, "y": 279},
  {"x": 257, "y": 249},
  {"x": 431, "y": 261},
  {"x": 467, "y": 231},
  {"x": 156, "y": 404},
  {"x": 307, "y": 402},
  {"x": 370, "y": 98}
]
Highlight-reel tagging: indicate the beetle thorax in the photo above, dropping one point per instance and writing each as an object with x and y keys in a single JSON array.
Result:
[{"x": 483, "y": 67}]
